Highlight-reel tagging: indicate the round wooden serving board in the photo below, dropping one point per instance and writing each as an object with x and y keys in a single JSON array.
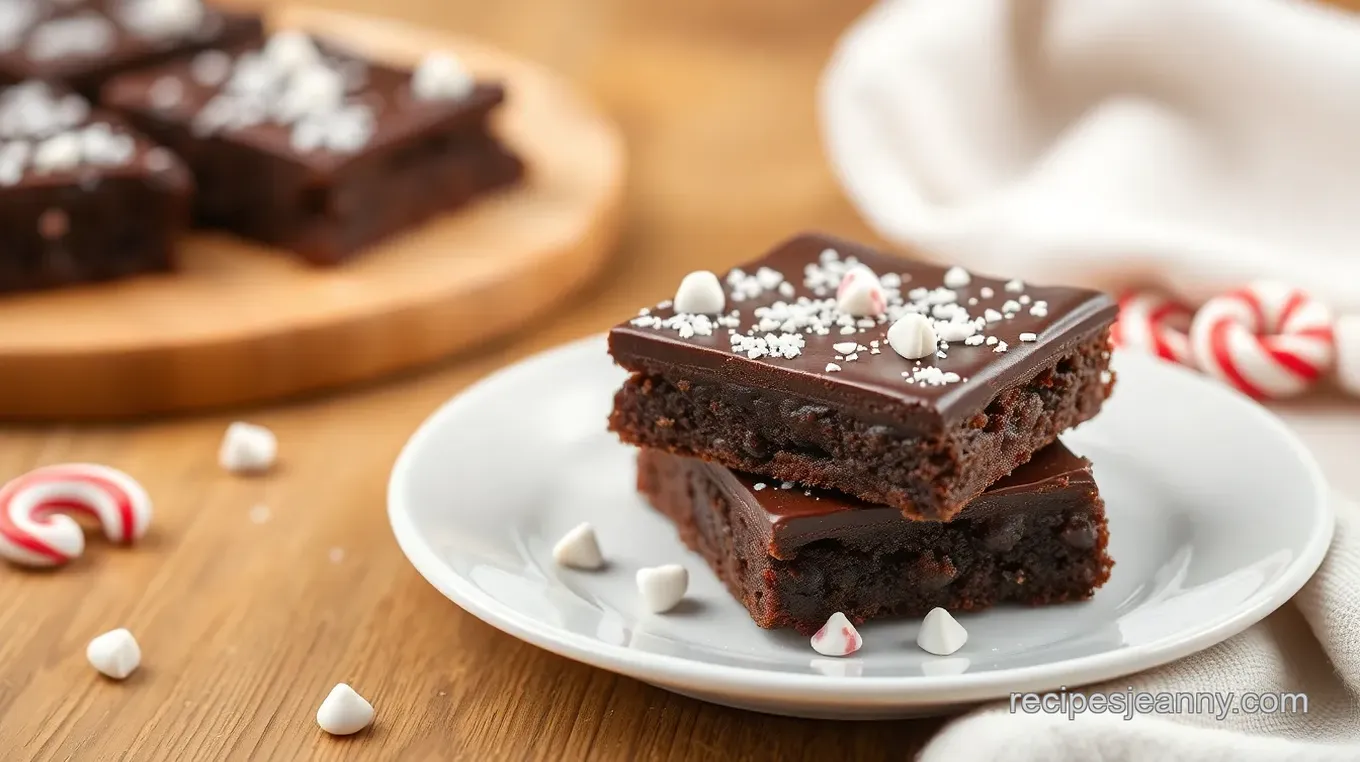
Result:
[{"x": 241, "y": 323}]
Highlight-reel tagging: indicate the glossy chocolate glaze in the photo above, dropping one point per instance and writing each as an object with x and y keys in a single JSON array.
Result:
[
  {"x": 398, "y": 116},
  {"x": 1053, "y": 477},
  {"x": 873, "y": 384}
]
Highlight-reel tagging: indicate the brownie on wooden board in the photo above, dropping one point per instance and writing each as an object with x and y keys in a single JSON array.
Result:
[
  {"x": 306, "y": 146},
  {"x": 82, "y": 197},
  {"x": 785, "y": 384},
  {"x": 795, "y": 556}
]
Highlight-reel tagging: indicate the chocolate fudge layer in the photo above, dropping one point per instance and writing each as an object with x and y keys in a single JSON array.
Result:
[
  {"x": 794, "y": 557},
  {"x": 82, "y": 198},
  {"x": 82, "y": 43},
  {"x": 786, "y": 385},
  {"x": 310, "y": 148}
]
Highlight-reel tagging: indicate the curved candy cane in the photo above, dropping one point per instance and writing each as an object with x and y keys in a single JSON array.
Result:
[
  {"x": 33, "y": 531},
  {"x": 1154, "y": 323},
  {"x": 1267, "y": 339}
]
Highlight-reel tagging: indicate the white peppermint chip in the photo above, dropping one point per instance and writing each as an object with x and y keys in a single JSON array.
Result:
[
  {"x": 344, "y": 712},
  {"x": 838, "y": 637},
  {"x": 845, "y": 347},
  {"x": 1010, "y": 306},
  {"x": 1027, "y": 336},
  {"x": 860, "y": 293},
  {"x": 1347, "y": 334},
  {"x": 940, "y": 633},
  {"x": 291, "y": 50},
  {"x": 311, "y": 90},
  {"x": 986, "y": 292},
  {"x": 440, "y": 77},
  {"x": 957, "y": 277},
  {"x": 1000, "y": 347},
  {"x": 662, "y": 587},
  {"x": 247, "y": 448},
  {"x": 832, "y": 367},
  {"x": 115, "y": 654},
  {"x": 579, "y": 549},
  {"x": 1015, "y": 286},
  {"x": 955, "y": 330},
  {"x": 700, "y": 293},
  {"x": 991, "y": 316},
  {"x": 912, "y": 336},
  {"x": 83, "y": 35},
  {"x": 974, "y": 340},
  {"x": 991, "y": 340}
]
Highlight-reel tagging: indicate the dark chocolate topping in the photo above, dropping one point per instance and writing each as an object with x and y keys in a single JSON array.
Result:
[
  {"x": 797, "y": 515},
  {"x": 873, "y": 383}
]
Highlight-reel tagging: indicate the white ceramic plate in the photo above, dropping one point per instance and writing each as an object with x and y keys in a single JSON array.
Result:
[{"x": 1217, "y": 516}]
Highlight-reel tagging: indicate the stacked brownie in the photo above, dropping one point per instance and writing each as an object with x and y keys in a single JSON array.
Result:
[
  {"x": 287, "y": 140},
  {"x": 818, "y": 469}
]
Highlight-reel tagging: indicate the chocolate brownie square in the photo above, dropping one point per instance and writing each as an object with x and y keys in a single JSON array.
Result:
[
  {"x": 81, "y": 43},
  {"x": 82, "y": 197},
  {"x": 305, "y": 146},
  {"x": 784, "y": 382},
  {"x": 795, "y": 556}
]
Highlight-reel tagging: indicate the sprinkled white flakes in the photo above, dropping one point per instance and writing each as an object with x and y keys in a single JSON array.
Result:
[
  {"x": 941, "y": 296},
  {"x": 786, "y": 485},
  {"x": 954, "y": 330},
  {"x": 101, "y": 146},
  {"x": 58, "y": 153},
  {"x": 345, "y": 131},
  {"x": 1038, "y": 311},
  {"x": 210, "y": 68},
  {"x": 974, "y": 340},
  {"x": 759, "y": 486},
  {"x": 991, "y": 340},
  {"x": 875, "y": 351},
  {"x": 1023, "y": 299},
  {"x": 786, "y": 345},
  {"x": 832, "y": 367},
  {"x": 161, "y": 19},
  {"x": 846, "y": 330},
  {"x": 946, "y": 311},
  {"x": 1015, "y": 286},
  {"x": 844, "y": 347},
  {"x": 1027, "y": 336},
  {"x": 1010, "y": 306},
  {"x": 957, "y": 277},
  {"x": 83, "y": 35},
  {"x": 441, "y": 77},
  {"x": 992, "y": 316},
  {"x": 972, "y": 301},
  {"x": 290, "y": 50},
  {"x": 1000, "y": 347},
  {"x": 874, "y": 343},
  {"x": 891, "y": 280},
  {"x": 940, "y": 354},
  {"x": 786, "y": 290},
  {"x": 851, "y": 357},
  {"x": 986, "y": 292},
  {"x": 931, "y": 375}
]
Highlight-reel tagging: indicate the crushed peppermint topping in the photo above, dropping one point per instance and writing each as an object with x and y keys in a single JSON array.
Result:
[
  {"x": 986, "y": 292},
  {"x": 832, "y": 367},
  {"x": 1000, "y": 347},
  {"x": 1027, "y": 336},
  {"x": 1015, "y": 286},
  {"x": 1011, "y": 306},
  {"x": 844, "y": 347},
  {"x": 974, "y": 340},
  {"x": 83, "y": 35}
]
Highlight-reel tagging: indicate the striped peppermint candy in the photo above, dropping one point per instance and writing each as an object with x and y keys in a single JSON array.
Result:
[
  {"x": 33, "y": 529},
  {"x": 1269, "y": 340},
  {"x": 1154, "y": 323}
]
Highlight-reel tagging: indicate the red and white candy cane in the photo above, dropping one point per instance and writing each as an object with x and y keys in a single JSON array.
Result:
[
  {"x": 33, "y": 531},
  {"x": 1269, "y": 340},
  {"x": 1154, "y": 323}
]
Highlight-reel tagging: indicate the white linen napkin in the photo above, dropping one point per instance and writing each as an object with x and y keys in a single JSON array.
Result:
[{"x": 1187, "y": 144}]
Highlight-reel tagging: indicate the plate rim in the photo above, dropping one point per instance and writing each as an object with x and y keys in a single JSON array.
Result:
[{"x": 874, "y": 690}]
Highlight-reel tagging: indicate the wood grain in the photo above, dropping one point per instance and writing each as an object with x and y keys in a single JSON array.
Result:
[
  {"x": 246, "y": 626},
  {"x": 241, "y": 323}
]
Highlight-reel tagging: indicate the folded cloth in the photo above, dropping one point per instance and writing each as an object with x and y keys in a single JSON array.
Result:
[
  {"x": 1309, "y": 646},
  {"x": 1187, "y": 144}
]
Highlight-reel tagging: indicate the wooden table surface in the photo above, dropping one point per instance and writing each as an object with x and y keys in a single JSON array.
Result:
[{"x": 253, "y": 597}]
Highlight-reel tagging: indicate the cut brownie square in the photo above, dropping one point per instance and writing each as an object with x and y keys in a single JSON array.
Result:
[
  {"x": 794, "y": 557},
  {"x": 307, "y": 147},
  {"x": 82, "y": 198},
  {"x": 81, "y": 43},
  {"x": 785, "y": 384}
]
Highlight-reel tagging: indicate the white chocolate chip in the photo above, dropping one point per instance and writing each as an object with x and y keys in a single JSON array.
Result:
[
  {"x": 344, "y": 712},
  {"x": 838, "y": 637},
  {"x": 940, "y": 633},
  {"x": 441, "y": 77},
  {"x": 662, "y": 587},
  {"x": 579, "y": 549},
  {"x": 247, "y": 448},
  {"x": 957, "y": 277},
  {"x": 115, "y": 654},
  {"x": 700, "y": 293},
  {"x": 912, "y": 336}
]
